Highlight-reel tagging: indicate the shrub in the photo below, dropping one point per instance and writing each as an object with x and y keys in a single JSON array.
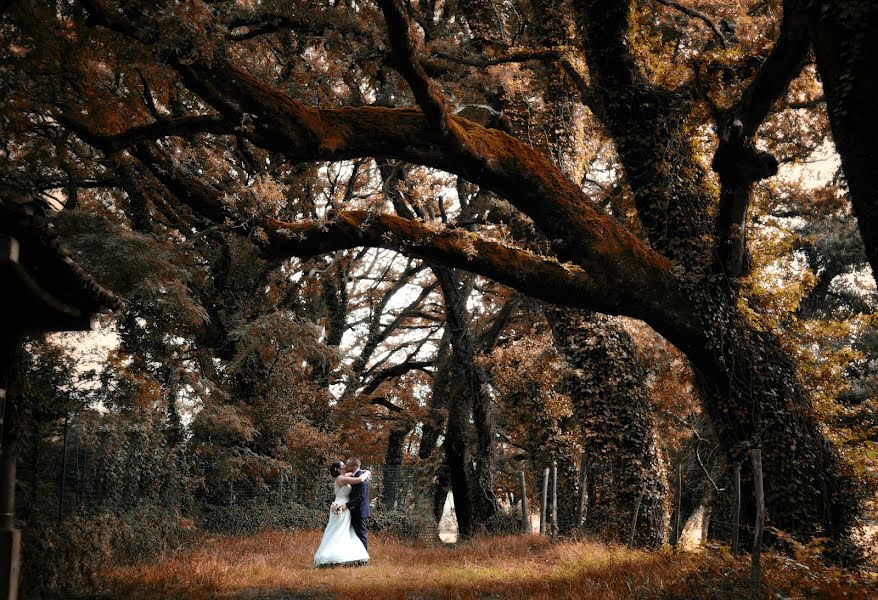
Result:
[
  {"x": 258, "y": 515},
  {"x": 401, "y": 524},
  {"x": 503, "y": 523},
  {"x": 65, "y": 560}
]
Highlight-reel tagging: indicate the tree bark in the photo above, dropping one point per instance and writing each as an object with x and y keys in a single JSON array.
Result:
[
  {"x": 391, "y": 475},
  {"x": 471, "y": 470},
  {"x": 846, "y": 49},
  {"x": 609, "y": 397}
]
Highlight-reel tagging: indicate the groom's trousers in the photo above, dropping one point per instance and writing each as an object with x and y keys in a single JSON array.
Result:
[{"x": 359, "y": 525}]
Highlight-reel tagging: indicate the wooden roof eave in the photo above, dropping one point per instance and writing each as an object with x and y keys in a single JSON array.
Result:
[{"x": 25, "y": 306}]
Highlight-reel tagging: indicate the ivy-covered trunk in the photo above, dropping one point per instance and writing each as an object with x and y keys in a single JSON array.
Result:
[
  {"x": 391, "y": 475},
  {"x": 607, "y": 387},
  {"x": 748, "y": 383},
  {"x": 754, "y": 399}
]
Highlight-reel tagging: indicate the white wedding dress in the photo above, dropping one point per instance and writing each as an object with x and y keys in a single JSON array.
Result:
[{"x": 340, "y": 544}]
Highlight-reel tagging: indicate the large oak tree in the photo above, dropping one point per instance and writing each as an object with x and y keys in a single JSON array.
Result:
[{"x": 678, "y": 265}]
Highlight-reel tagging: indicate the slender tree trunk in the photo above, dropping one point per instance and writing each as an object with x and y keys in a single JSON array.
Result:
[
  {"x": 472, "y": 485},
  {"x": 437, "y": 416},
  {"x": 391, "y": 476}
]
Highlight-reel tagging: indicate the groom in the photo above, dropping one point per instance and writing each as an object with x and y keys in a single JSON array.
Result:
[{"x": 358, "y": 503}]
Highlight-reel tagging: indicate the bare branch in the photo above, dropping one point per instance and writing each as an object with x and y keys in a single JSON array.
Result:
[
  {"x": 562, "y": 54},
  {"x": 737, "y": 161},
  {"x": 405, "y": 55},
  {"x": 697, "y": 15},
  {"x": 396, "y": 371}
]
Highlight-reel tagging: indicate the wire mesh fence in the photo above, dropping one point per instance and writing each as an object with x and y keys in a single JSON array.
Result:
[
  {"x": 88, "y": 471},
  {"x": 71, "y": 477}
]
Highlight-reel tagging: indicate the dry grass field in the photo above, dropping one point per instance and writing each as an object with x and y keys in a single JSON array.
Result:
[{"x": 277, "y": 566}]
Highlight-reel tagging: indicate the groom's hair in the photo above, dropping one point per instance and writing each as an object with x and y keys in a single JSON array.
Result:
[{"x": 354, "y": 460}]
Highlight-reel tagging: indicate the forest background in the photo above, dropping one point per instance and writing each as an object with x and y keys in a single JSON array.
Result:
[{"x": 290, "y": 299}]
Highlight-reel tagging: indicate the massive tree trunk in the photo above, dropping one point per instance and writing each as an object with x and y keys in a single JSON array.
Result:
[
  {"x": 846, "y": 49},
  {"x": 615, "y": 493},
  {"x": 749, "y": 384},
  {"x": 609, "y": 397}
]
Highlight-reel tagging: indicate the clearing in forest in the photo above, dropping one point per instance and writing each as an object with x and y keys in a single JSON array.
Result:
[{"x": 276, "y": 566}]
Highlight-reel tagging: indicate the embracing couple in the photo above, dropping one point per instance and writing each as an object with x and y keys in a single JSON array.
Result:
[{"x": 344, "y": 539}]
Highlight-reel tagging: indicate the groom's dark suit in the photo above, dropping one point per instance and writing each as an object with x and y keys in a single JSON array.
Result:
[{"x": 358, "y": 504}]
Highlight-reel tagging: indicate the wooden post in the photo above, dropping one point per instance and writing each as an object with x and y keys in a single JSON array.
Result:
[
  {"x": 636, "y": 512},
  {"x": 677, "y": 531},
  {"x": 756, "y": 572},
  {"x": 525, "y": 516},
  {"x": 10, "y": 537},
  {"x": 736, "y": 515},
  {"x": 63, "y": 469},
  {"x": 544, "y": 503},
  {"x": 78, "y": 472},
  {"x": 554, "y": 499},
  {"x": 580, "y": 502}
]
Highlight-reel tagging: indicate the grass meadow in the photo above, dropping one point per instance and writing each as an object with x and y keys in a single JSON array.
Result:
[{"x": 276, "y": 565}]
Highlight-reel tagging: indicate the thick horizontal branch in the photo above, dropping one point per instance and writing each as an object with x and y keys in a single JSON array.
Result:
[
  {"x": 624, "y": 276},
  {"x": 179, "y": 127},
  {"x": 533, "y": 275},
  {"x": 536, "y": 276},
  {"x": 507, "y": 166}
]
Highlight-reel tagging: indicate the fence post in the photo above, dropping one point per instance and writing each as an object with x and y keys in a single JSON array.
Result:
[
  {"x": 583, "y": 479},
  {"x": 736, "y": 517},
  {"x": 63, "y": 470},
  {"x": 636, "y": 512},
  {"x": 756, "y": 572},
  {"x": 677, "y": 531},
  {"x": 525, "y": 517},
  {"x": 554, "y": 498},
  {"x": 78, "y": 474},
  {"x": 544, "y": 501}
]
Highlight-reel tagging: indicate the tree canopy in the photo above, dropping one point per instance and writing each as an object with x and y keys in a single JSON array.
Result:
[{"x": 642, "y": 158}]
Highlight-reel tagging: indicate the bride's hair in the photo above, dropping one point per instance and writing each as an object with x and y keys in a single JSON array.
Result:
[{"x": 335, "y": 468}]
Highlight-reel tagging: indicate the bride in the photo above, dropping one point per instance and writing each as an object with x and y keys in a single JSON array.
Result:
[{"x": 340, "y": 544}]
